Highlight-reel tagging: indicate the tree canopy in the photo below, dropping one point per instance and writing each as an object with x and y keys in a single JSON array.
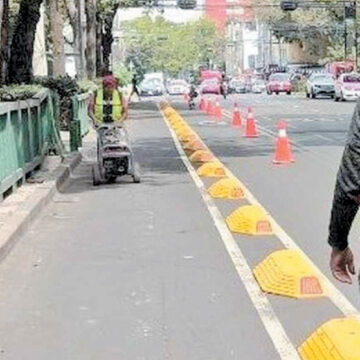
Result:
[{"x": 161, "y": 45}]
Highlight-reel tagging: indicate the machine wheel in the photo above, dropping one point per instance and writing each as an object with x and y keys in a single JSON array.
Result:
[
  {"x": 313, "y": 96},
  {"x": 288, "y": 93},
  {"x": 96, "y": 175},
  {"x": 136, "y": 179},
  {"x": 277, "y": 93},
  {"x": 307, "y": 95},
  {"x": 136, "y": 174}
]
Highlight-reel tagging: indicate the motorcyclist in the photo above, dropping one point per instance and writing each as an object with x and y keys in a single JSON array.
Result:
[
  {"x": 192, "y": 95},
  {"x": 107, "y": 104}
]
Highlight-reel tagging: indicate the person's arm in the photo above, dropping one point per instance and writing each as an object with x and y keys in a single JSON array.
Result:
[{"x": 345, "y": 204}]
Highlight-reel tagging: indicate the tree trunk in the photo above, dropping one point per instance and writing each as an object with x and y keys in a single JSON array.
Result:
[
  {"x": 82, "y": 37},
  {"x": 4, "y": 44},
  {"x": 1, "y": 14},
  {"x": 108, "y": 38},
  {"x": 57, "y": 25},
  {"x": 91, "y": 38},
  {"x": 99, "y": 36},
  {"x": 22, "y": 46}
]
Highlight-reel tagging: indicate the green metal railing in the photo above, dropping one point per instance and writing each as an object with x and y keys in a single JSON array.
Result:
[
  {"x": 27, "y": 131},
  {"x": 81, "y": 123}
]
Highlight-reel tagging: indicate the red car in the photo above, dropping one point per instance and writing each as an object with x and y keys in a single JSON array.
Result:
[
  {"x": 279, "y": 82},
  {"x": 210, "y": 86}
]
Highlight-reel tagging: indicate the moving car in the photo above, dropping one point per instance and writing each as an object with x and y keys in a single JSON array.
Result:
[
  {"x": 210, "y": 86},
  {"x": 151, "y": 87},
  {"x": 347, "y": 87},
  {"x": 178, "y": 87},
  {"x": 279, "y": 82},
  {"x": 236, "y": 86},
  {"x": 320, "y": 84},
  {"x": 258, "y": 87}
]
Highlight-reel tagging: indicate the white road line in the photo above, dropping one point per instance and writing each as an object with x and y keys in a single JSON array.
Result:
[
  {"x": 262, "y": 305},
  {"x": 335, "y": 295}
]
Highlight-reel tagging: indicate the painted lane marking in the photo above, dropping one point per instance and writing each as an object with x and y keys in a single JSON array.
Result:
[{"x": 262, "y": 305}]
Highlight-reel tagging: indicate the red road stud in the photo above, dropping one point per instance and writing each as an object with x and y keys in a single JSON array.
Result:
[
  {"x": 236, "y": 121},
  {"x": 283, "y": 153},
  {"x": 251, "y": 131}
]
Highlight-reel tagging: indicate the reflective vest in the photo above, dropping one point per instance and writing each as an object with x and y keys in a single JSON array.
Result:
[{"x": 117, "y": 108}]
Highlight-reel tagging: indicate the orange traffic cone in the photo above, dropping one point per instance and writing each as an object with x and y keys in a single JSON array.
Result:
[
  {"x": 236, "y": 116},
  {"x": 202, "y": 104},
  {"x": 209, "y": 107},
  {"x": 251, "y": 131},
  {"x": 218, "y": 111},
  {"x": 283, "y": 153}
]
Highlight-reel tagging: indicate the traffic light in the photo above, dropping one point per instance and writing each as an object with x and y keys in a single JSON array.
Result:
[
  {"x": 289, "y": 5},
  {"x": 186, "y": 4},
  {"x": 350, "y": 11}
]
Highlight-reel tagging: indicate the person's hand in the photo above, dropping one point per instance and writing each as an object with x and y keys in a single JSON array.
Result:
[{"x": 342, "y": 265}]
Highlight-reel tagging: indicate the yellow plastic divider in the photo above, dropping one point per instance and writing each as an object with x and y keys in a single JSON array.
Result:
[
  {"x": 288, "y": 273},
  {"x": 195, "y": 145},
  {"x": 188, "y": 137},
  {"x": 202, "y": 156},
  {"x": 249, "y": 220},
  {"x": 212, "y": 169},
  {"x": 337, "y": 339},
  {"x": 228, "y": 188}
]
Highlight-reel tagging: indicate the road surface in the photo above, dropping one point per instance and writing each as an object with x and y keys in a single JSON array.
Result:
[{"x": 139, "y": 271}]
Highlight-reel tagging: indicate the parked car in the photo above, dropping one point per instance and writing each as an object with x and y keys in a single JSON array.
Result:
[
  {"x": 258, "y": 87},
  {"x": 347, "y": 87},
  {"x": 151, "y": 87},
  {"x": 237, "y": 87},
  {"x": 320, "y": 84},
  {"x": 210, "y": 86},
  {"x": 178, "y": 87},
  {"x": 279, "y": 82}
]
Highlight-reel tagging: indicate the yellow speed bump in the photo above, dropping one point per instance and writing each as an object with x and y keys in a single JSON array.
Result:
[
  {"x": 212, "y": 169},
  {"x": 228, "y": 188},
  {"x": 174, "y": 119},
  {"x": 338, "y": 339},
  {"x": 195, "y": 145},
  {"x": 179, "y": 125},
  {"x": 188, "y": 137},
  {"x": 183, "y": 131},
  {"x": 168, "y": 111},
  {"x": 288, "y": 273},
  {"x": 249, "y": 220},
  {"x": 202, "y": 156}
]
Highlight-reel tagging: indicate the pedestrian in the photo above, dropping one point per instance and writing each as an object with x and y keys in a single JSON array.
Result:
[
  {"x": 134, "y": 89},
  {"x": 346, "y": 204},
  {"x": 107, "y": 104}
]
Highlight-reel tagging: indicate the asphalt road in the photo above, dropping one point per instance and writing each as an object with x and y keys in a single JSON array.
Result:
[{"x": 138, "y": 271}]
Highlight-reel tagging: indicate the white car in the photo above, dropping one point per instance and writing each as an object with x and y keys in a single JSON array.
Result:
[
  {"x": 258, "y": 87},
  {"x": 320, "y": 84},
  {"x": 347, "y": 87},
  {"x": 178, "y": 87}
]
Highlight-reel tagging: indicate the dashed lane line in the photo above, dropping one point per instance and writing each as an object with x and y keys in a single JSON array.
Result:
[{"x": 271, "y": 322}]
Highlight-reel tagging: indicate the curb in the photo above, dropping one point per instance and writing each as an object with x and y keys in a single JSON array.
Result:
[{"x": 20, "y": 223}]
